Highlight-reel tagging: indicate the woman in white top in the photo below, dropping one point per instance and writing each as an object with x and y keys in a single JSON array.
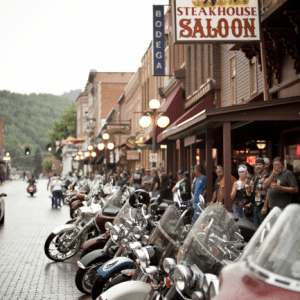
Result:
[{"x": 57, "y": 191}]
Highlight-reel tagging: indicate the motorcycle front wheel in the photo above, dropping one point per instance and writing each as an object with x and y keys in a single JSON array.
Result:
[{"x": 55, "y": 245}]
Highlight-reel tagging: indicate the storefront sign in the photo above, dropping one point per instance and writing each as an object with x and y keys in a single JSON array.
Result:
[
  {"x": 139, "y": 142},
  {"x": 158, "y": 40},
  {"x": 118, "y": 128},
  {"x": 130, "y": 142},
  {"x": 216, "y": 21},
  {"x": 133, "y": 155}
]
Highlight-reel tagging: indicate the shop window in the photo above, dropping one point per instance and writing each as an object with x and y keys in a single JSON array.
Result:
[
  {"x": 253, "y": 76},
  {"x": 233, "y": 80}
]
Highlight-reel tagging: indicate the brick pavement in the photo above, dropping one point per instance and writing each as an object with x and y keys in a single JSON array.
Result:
[{"x": 25, "y": 271}]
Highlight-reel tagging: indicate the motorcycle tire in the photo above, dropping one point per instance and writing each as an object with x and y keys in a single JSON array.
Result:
[
  {"x": 31, "y": 194},
  {"x": 85, "y": 279},
  {"x": 62, "y": 254},
  {"x": 102, "y": 284}
]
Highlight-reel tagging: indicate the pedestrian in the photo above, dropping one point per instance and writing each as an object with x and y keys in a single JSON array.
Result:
[
  {"x": 136, "y": 179},
  {"x": 193, "y": 180},
  {"x": 220, "y": 176},
  {"x": 154, "y": 189},
  {"x": 240, "y": 193},
  {"x": 164, "y": 185},
  {"x": 147, "y": 180},
  {"x": 258, "y": 193},
  {"x": 57, "y": 191},
  {"x": 281, "y": 184},
  {"x": 200, "y": 189},
  {"x": 172, "y": 181},
  {"x": 24, "y": 175},
  {"x": 267, "y": 165},
  {"x": 185, "y": 189},
  {"x": 220, "y": 195},
  {"x": 176, "y": 186},
  {"x": 50, "y": 185}
]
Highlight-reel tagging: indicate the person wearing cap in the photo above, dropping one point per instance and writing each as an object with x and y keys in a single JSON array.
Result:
[
  {"x": 163, "y": 184},
  {"x": 281, "y": 184},
  {"x": 258, "y": 193},
  {"x": 176, "y": 187},
  {"x": 267, "y": 164},
  {"x": 185, "y": 188},
  {"x": 241, "y": 193},
  {"x": 147, "y": 180},
  {"x": 220, "y": 176}
]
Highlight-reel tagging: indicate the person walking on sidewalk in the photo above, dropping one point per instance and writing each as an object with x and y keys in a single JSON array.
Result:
[{"x": 57, "y": 191}]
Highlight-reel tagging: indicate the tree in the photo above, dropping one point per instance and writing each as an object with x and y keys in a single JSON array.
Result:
[
  {"x": 63, "y": 128},
  {"x": 47, "y": 165},
  {"x": 37, "y": 161}
]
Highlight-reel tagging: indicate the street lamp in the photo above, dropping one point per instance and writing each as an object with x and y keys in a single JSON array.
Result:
[
  {"x": 155, "y": 117},
  {"x": 89, "y": 154},
  {"x": 106, "y": 144}
]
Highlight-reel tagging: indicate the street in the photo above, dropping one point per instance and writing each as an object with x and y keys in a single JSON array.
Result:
[{"x": 25, "y": 271}]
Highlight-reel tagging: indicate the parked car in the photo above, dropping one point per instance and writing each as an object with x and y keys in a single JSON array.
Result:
[{"x": 2, "y": 208}]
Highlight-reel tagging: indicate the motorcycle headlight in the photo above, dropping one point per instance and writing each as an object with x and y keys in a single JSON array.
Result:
[
  {"x": 208, "y": 278},
  {"x": 169, "y": 264},
  {"x": 124, "y": 243},
  {"x": 128, "y": 225},
  {"x": 108, "y": 226},
  {"x": 134, "y": 246},
  {"x": 137, "y": 232},
  {"x": 146, "y": 256},
  {"x": 145, "y": 239},
  {"x": 115, "y": 233},
  {"x": 183, "y": 277},
  {"x": 141, "y": 256},
  {"x": 152, "y": 271}
]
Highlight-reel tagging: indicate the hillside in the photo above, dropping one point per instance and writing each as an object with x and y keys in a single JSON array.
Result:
[
  {"x": 28, "y": 119},
  {"x": 73, "y": 94}
]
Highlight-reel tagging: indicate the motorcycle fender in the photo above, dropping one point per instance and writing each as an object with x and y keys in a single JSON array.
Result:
[
  {"x": 62, "y": 228},
  {"x": 92, "y": 258},
  {"x": 129, "y": 290},
  {"x": 114, "y": 264},
  {"x": 95, "y": 243},
  {"x": 77, "y": 205}
]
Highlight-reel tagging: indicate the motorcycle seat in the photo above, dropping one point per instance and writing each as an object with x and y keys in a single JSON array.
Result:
[{"x": 111, "y": 210}]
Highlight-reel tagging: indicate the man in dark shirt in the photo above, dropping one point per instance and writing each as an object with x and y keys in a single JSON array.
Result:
[{"x": 155, "y": 183}]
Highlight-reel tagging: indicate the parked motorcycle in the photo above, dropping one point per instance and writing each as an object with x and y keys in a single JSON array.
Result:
[
  {"x": 31, "y": 189},
  {"x": 165, "y": 241},
  {"x": 129, "y": 219},
  {"x": 65, "y": 241}
]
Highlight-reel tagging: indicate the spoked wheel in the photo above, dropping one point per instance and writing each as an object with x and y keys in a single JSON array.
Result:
[
  {"x": 55, "y": 245},
  {"x": 85, "y": 278}
]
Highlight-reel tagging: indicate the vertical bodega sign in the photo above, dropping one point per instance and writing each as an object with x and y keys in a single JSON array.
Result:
[
  {"x": 158, "y": 40},
  {"x": 216, "y": 21}
]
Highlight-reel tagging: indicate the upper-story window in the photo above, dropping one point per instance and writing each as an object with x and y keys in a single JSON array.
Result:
[
  {"x": 233, "y": 80},
  {"x": 85, "y": 111},
  {"x": 253, "y": 75}
]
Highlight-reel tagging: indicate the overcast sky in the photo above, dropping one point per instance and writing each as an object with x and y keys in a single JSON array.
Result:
[{"x": 49, "y": 46}]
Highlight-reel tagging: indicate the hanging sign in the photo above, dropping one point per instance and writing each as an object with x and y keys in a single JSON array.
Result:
[
  {"x": 130, "y": 142},
  {"x": 211, "y": 21},
  {"x": 153, "y": 157},
  {"x": 158, "y": 40}
]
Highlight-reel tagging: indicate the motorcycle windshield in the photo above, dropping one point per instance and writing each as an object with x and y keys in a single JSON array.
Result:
[
  {"x": 167, "y": 235},
  {"x": 209, "y": 242},
  {"x": 127, "y": 212},
  {"x": 114, "y": 201},
  {"x": 261, "y": 233},
  {"x": 278, "y": 258}
]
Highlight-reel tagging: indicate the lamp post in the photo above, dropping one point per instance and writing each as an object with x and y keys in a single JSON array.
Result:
[
  {"x": 155, "y": 117},
  {"x": 106, "y": 144},
  {"x": 89, "y": 154}
]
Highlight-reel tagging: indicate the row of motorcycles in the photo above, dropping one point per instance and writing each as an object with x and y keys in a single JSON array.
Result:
[{"x": 134, "y": 247}]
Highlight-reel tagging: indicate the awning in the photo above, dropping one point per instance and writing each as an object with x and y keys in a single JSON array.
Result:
[
  {"x": 286, "y": 109},
  {"x": 173, "y": 107},
  {"x": 206, "y": 103}
]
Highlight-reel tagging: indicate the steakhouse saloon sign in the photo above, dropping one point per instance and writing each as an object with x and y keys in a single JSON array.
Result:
[{"x": 216, "y": 21}]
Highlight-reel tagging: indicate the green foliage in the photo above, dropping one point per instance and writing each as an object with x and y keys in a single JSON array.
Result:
[
  {"x": 28, "y": 120},
  {"x": 72, "y": 95},
  {"x": 63, "y": 128},
  {"x": 47, "y": 165}
]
